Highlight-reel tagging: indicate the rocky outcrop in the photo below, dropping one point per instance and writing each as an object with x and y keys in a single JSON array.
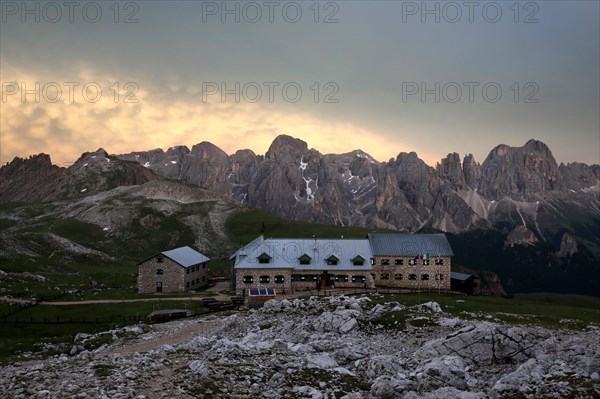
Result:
[
  {"x": 298, "y": 349},
  {"x": 451, "y": 170},
  {"x": 36, "y": 179},
  {"x": 31, "y": 179},
  {"x": 520, "y": 235},
  {"x": 568, "y": 246},
  {"x": 472, "y": 171},
  {"x": 525, "y": 173},
  {"x": 579, "y": 176}
]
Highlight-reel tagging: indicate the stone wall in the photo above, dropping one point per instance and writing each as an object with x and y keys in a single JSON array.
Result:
[
  {"x": 256, "y": 274},
  {"x": 196, "y": 277},
  {"x": 339, "y": 279},
  {"x": 172, "y": 277},
  {"x": 378, "y": 271},
  {"x": 438, "y": 275}
]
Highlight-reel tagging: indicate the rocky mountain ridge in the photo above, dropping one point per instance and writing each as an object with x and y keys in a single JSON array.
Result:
[
  {"x": 36, "y": 179},
  {"x": 514, "y": 186},
  {"x": 518, "y": 185}
]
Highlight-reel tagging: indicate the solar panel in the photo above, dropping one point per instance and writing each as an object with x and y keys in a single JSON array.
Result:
[
  {"x": 271, "y": 291},
  {"x": 263, "y": 291},
  {"x": 254, "y": 291}
]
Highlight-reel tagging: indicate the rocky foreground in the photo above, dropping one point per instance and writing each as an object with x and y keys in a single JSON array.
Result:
[{"x": 340, "y": 347}]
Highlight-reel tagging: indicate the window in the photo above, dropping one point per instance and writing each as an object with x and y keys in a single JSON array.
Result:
[
  {"x": 412, "y": 262},
  {"x": 264, "y": 279},
  {"x": 197, "y": 281},
  {"x": 412, "y": 276},
  {"x": 426, "y": 262},
  {"x": 158, "y": 286},
  {"x": 424, "y": 277},
  {"x": 397, "y": 277},
  {"x": 385, "y": 276},
  {"x": 316, "y": 277},
  {"x": 187, "y": 271},
  {"x": 248, "y": 279},
  {"x": 159, "y": 260},
  {"x": 358, "y": 278},
  {"x": 399, "y": 262},
  {"x": 341, "y": 277},
  {"x": 264, "y": 258},
  {"x": 203, "y": 278},
  {"x": 385, "y": 262},
  {"x": 297, "y": 277},
  {"x": 358, "y": 260},
  {"x": 279, "y": 279},
  {"x": 204, "y": 265},
  {"x": 160, "y": 271},
  {"x": 332, "y": 260},
  {"x": 304, "y": 259},
  {"x": 439, "y": 276},
  {"x": 187, "y": 285},
  {"x": 439, "y": 261},
  {"x": 373, "y": 275}
]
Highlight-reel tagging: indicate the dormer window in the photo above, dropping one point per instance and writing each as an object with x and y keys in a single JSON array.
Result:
[
  {"x": 358, "y": 260},
  {"x": 305, "y": 259},
  {"x": 264, "y": 258},
  {"x": 332, "y": 260}
]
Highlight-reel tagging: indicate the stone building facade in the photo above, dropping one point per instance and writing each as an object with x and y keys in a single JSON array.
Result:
[
  {"x": 178, "y": 270},
  {"x": 411, "y": 273},
  {"x": 412, "y": 261},
  {"x": 280, "y": 279}
]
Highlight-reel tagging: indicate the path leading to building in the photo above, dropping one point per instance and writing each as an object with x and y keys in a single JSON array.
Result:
[
  {"x": 218, "y": 292},
  {"x": 168, "y": 337}
]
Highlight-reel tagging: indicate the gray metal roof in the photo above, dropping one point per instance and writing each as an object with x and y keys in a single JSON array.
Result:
[
  {"x": 391, "y": 244},
  {"x": 460, "y": 276},
  {"x": 185, "y": 256},
  {"x": 286, "y": 251},
  {"x": 248, "y": 247}
]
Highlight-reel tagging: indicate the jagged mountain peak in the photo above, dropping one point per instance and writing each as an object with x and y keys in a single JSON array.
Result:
[
  {"x": 207, "y": 149},
  {"x": 531, "y": 145},
  {"x": 36, "y": 159},
  {"x": 179, "y": 147},
  {"x": 352, "y": 188},
  {"x": 29, "y": 179},
  {"x": 286, "y": 145},
  {"x": 522, "y": 173}
]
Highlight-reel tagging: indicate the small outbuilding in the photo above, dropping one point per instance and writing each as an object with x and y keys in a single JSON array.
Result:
[
  {"x": 178, "y": 270},
  {"x": 463, "y": 282}
]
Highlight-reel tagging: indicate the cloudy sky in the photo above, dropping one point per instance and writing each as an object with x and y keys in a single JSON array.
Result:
[{"x": 383, "y": 76}]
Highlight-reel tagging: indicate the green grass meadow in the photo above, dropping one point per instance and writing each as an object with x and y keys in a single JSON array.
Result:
[{"x": 555, "y": 311}]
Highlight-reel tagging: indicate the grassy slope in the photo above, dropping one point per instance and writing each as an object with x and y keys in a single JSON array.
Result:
[
  {"x": 545, "y": 310},
  {"x": 245, "y": 226},
  {"x": 18, "y": 337}
]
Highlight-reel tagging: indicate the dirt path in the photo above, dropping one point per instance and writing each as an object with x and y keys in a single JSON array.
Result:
[
  {"x": 215, "y": 291},
  {"x": 15, "y": 300},
  {"x": 186, "y": 333},
  {"x": 98, "y": 301}
]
